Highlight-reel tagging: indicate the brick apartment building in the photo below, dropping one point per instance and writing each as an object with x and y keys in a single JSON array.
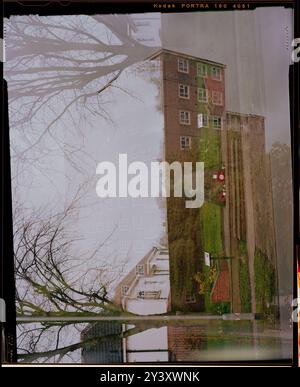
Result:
[
  {"x": 193, "y": 97},
  {"x": 195, "y": 117}
]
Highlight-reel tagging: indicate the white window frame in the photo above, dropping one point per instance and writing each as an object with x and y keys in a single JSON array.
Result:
[
  {"x": 185, "y": 95},
  {"x": 201, "y": 73},
  {"x": 218, "y": 118},
  {"x": 215, "y": 94},
  {"x": 200, "y": 90},
  {"x": 216, "y": 77},
  {"x": 206, "y": 116},
  {"x": 183, "y": 65},
  {"x": 148, "y": 294},
  {"x": 204, "y": 120},
  {"x": 163, "y": 252},
  {"x": 189, "y": 141},
  {"x": 184, "y": 121},
  {"x": 140, "y": 270}
]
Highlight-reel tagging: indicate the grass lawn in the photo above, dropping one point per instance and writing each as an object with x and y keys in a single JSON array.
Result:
[
  {"x": 264, "y": 281},
  {"x": 210, "y": 213},
  {"x": 245, "y": 291},
  {"x": 210, "y": 148},
  {"x": 211, "y": 228}
]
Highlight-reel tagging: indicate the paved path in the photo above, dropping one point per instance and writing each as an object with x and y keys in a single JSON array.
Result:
[{"x": 229, "y": 229}]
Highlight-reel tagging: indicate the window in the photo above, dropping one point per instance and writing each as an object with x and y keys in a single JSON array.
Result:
[
  {"x": 184, "y": 91},
  {"x": 185, "y": 142},
  {"x": 183, "y": 65},
  {"x": 140, "y": 270},
  {"x": 216, "y": 73},
  {"x": 190, "y": 298},
  {"x": 217, "y": 98},
  {"x": 124, "y": 290},
  {"x": 202, "y": 95},
  {"x": 148, "y": 294},
  {"x": 201, "y": 70},
  {"x": 184, "y": 117},
  {"x": 164, "y": 252},
  {"x": 217, "y": 122},
  {"x": 203, "y": 121}
]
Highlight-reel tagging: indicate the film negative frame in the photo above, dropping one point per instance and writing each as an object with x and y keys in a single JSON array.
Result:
[{"x": 126, "y": 6}]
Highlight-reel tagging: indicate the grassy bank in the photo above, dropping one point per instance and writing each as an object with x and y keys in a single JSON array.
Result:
[
  {"x": 264, "y": 281},
  {"x": 211, "y": 228},
  {"x": 245, "y": 291}
]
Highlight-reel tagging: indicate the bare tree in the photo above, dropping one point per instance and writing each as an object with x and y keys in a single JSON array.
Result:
[
  {"x": 52, "y": 278},
  {"x": 60, "y": 73},
  {"x": 56, "y": 63}
]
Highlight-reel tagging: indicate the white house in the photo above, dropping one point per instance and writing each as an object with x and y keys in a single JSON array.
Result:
[{"x": 146, "y": 291}]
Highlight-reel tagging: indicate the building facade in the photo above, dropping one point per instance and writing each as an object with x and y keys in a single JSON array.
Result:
[
  {"x": 193, "y": 97},
  {"x": 236, "y": 220},
  {"x": 146, "y": 289}
]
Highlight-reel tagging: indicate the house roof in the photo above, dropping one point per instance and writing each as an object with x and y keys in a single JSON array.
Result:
[{"x": 129, "y": 278}]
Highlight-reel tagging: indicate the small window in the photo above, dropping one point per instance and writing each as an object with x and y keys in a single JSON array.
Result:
[
  {"x": 140, "y": 270},
  {"x": 203, "y": 121},
  {"x": 124, "y": 290},
  {"x": 202, "y": 95},
  {"x": 217, "y": 122},
  {"x": 217, "y": 98},
  {"x": 148, "y": 294},
  {"x": 201, "y": 70},
  {"x": 185, "y": 142},
  {"x": 183, "y": 65},
  {"x": 190, "y": 298},
  {"x": 184, "y": 91},
  {"x": 216, "y": 73},
  {"x": 185, "y": 117}
]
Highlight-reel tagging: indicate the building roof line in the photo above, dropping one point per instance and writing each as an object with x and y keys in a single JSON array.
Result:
[
  {"x": 244, "y": 114},
  {"x": 181, "y": 54}
]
